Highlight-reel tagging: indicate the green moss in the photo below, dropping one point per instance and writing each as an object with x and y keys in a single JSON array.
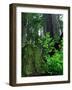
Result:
[{"x": 36, "y": 59}]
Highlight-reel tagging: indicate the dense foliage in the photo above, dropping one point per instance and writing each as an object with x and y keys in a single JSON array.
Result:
[{"x": 40, "y": 55}]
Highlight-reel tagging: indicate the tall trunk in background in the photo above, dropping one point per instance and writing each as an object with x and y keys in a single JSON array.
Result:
[
  {"x": 51, "y": 24},
  {"x": 24, "y": 31},
  {"x": 48, "y": 27},
  {"x": 55, "y": 24}
]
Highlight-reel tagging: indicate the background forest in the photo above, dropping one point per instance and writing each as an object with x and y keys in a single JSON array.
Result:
[{"x": 42, "y": 44}]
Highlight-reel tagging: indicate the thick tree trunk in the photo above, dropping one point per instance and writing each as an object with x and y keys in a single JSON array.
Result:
[
  {"x": 48, "y": 27},
  {"x": 51, "y": 24},
  {"x": 55, "y": 24}
]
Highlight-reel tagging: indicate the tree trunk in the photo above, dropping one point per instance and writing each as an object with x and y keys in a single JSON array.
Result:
[{"x": 48, "y": 27}]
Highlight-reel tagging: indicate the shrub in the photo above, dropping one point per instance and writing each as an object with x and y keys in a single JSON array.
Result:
[{"x": 42, "y": 58}]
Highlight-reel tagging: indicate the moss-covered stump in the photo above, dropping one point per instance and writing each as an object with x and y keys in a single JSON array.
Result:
[{"x": 31, "y": 60}]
